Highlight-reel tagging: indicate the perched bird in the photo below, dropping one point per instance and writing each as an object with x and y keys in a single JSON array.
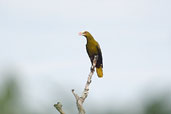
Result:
[{"x": 93, "y": 49}]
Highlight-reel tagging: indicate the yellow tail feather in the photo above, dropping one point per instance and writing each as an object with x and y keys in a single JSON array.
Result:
[{"x": 99, "y": 72}]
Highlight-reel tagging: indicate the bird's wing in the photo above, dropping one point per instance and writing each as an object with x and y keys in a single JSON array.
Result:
[
  {"x": 100, "y": 59},
  {"x": 91, "y": 57}
]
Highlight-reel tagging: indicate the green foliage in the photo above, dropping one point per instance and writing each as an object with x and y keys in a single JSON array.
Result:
[
  {"x": 11, "y": 103},
  {"x": 9, "y": 98},
  {"x": 159, "y": 105}
]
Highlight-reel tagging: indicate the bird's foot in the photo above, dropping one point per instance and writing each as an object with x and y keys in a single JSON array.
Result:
[{"x": 91, "y": 69}]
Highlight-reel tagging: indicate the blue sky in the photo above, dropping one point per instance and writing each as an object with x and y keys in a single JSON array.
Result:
[{"x": 40, "y": 39}]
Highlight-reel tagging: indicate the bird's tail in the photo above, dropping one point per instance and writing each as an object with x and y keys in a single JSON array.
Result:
[{"x": 99, "y": 72}]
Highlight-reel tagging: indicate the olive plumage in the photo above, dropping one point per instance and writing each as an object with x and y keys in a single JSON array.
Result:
[{"x": 93, "y": 49}]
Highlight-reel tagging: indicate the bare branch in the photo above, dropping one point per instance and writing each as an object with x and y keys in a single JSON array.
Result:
[
  {"x": 80, "y": 100},
  {"x": 58, "y": 106}
]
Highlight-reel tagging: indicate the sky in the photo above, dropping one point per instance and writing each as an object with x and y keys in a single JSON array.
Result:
[{"x": 39, "y": 39}]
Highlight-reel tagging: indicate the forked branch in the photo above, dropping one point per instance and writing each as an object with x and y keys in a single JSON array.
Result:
[{"x": 80, "y": 100}]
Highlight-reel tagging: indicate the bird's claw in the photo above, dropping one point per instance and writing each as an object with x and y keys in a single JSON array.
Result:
[{"x": 91, "y": 68}]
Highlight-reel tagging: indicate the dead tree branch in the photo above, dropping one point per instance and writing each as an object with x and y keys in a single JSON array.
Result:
[
  {"x": 80, "y": 100},
  {"x": 58, "y": 106}
]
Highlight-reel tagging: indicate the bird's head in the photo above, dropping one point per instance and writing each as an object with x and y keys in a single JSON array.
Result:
[{"x": 84, "y": 33}]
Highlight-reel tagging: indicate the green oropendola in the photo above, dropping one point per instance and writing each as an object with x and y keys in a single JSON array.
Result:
[{"x": 93, "y": 49}]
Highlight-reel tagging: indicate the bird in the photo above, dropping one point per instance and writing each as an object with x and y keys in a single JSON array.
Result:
[{"x": 93, "y": 49}]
